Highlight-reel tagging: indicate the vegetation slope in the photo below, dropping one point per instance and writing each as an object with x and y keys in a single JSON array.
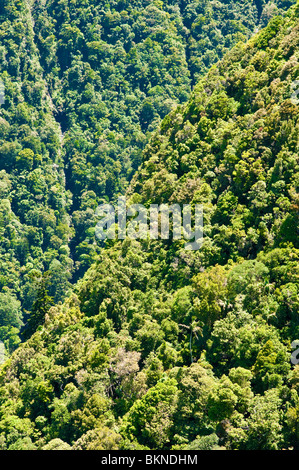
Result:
[
  {"x": 162, "y": 348},
  {"x": 86, "y": 82}
]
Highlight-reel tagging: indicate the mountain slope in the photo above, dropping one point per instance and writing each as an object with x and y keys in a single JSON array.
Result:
[
  {"x": 85, "y": 84},
  {"x": 114, "y": 70},
  {"x": 164, "y": 348}
]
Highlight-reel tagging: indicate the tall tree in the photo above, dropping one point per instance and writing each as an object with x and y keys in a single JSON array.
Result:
[{"x": 40, "y": 307}]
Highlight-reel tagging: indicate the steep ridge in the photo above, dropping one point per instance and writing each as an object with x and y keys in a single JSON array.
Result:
[
  {"x": 164, "y": 348},
  {"x": 115, "y": 70},
  {"x": 86, "y": 82}
]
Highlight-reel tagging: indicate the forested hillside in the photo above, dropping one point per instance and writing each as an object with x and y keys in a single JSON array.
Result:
[
  {"x": 86, "y": 82},
  {"x": 155, "y": 347}
]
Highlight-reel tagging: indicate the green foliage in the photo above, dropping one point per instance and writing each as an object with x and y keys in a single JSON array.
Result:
[
  {"x": 150, "y": 418},
  {"x": 154, "y": 346},
  {"x": 40, "y": 306}
]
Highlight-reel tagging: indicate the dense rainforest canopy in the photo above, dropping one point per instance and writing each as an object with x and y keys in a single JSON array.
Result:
[{"x": 141, "y": 344}]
